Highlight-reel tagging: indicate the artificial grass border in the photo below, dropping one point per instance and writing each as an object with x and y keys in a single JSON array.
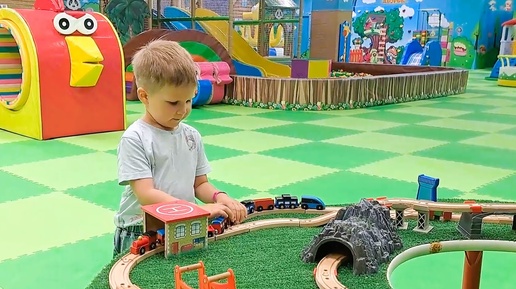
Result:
[{"x": 377, "y": 281}]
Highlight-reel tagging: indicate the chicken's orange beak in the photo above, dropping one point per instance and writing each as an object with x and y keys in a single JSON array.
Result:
[{"x": 85, "y": 58}]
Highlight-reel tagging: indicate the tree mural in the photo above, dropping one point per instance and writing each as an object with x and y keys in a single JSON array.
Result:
[
  {"x": 128, "y": 17},
  {"x": 368, "y": 25}
]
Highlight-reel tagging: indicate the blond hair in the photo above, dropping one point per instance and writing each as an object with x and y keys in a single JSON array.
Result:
[{"x": 162, "y": 63}]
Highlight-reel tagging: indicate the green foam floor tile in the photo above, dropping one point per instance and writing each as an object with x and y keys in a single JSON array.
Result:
[
  {"x": 29, "y": 151},
  {"x": 72, "y": 266},
  {"x": 135, "y": 106},
  {"x": 479, "y": 196},
  {"x": 209, "y": 129},
  {"x": 489, "y": 117},
  {"x": 349, "y": 187},
  {"x": 214, "y": 152},
  {"x": 7, "y": 137},
  {"x": 113, "y": 152},
  {"x": 252, "y": 141},
  {"x": 105, "y": 194},
  {"x": 502, "y": 189},
  {"x": 234, "y": 191},
  {"x": 203, "y": 113},
  {"x": 429, "y": 132},
  {"x": 468, "y": 95},
  {"x": 329, "y": 155},
  {"x": 235, "y": 109},
  {"x": 388, "y": 115},
  {"x": 459, "y": 106},
  {"x": 499, "y": 141},
  {"x": 511, "y": 131},
  {"x": 345, "y": 112},
  {"x": 473, "y": 125},
  {"x": 488, "y": 101},
  {"x": 355, "y": 123},
  {"x": 510, "y": 110},
  {"x": 429, "y": 111},
  {"x": 417, "y": 103},
  {"x": 473, "y": 154},
  {"x": 72, "y": 220},
  {"x": 246, "y": 122},
  {"x": 262, "y": 173},
  {"x": 297, "y": 116},
  {"x": 69, "y": 172},
  {"x": 386, "y": 142},
  {"x": 98, "y": 142},
  {"x": 307, "y": 131},
  {"x": 14, "y": 188},
  {"x": 131, "y": 118},
  {"x": 453, "y": 175}
]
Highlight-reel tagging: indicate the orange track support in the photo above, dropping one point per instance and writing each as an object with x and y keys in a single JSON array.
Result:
[
  {"x": 211, "y": 282},
  {"x": 472, "y": 270},
  {"x": 178, "y": 280}
]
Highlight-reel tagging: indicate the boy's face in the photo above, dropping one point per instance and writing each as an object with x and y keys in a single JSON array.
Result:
[{"x": 167, "y": 107}]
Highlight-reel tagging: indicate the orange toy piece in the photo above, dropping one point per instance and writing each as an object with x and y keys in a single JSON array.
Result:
[
  {"x": 69, "y": 73},
  {"x": 205, "y": 282}
]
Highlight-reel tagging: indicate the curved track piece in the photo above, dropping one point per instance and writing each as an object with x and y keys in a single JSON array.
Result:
[
  {"x": 449, "y": 246},
  {"x": 326, "y": 272},
  {"x": 119, "y": 274}
]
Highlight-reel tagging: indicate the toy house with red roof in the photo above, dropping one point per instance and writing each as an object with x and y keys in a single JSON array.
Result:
[{"x": 181, "y": 225}]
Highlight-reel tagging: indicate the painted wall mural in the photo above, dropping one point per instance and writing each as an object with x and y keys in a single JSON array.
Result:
[
  {"x": 82, "y": 5},
  {"x": 381, "y": 29}
]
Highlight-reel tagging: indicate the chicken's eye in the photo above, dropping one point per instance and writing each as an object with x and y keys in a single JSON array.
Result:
[
  {"x": 65, "y": 24},
  {"x": 87, "y": 24}
]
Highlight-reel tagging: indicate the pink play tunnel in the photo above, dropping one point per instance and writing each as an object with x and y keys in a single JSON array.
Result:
[{"x": 218, "y": 74}]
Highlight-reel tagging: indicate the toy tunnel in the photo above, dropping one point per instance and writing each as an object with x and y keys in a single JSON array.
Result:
[{"x": 14, "y": 84}]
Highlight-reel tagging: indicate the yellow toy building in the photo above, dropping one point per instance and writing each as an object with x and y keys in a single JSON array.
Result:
[
  {"x": 507, "y": 74},
  {"x": 181, "y": 226}
]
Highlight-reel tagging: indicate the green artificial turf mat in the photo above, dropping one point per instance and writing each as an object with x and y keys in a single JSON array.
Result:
[{"x": 273, "y": 255}]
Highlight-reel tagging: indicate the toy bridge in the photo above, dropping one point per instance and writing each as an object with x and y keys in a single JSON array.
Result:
[
  {"x": 205, "y": 282},
  {"x": 470, "y": 222}
]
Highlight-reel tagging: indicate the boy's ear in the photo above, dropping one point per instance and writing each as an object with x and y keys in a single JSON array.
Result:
[{"x": 142, "y": 95}]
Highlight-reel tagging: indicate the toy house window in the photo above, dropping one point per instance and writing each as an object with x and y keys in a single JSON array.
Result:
[
  {"x": 180, "y": 231},
  {"x": 196, "y": 228}
]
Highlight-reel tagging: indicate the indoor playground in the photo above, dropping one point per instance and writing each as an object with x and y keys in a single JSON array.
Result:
[{"x": 372, "y": 143}]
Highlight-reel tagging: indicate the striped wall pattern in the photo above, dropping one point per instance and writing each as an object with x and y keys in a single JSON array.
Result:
[{"x": 10, "y": 67}]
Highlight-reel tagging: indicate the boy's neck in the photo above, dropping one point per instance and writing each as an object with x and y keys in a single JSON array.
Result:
[{"x": 150, "y": 120}]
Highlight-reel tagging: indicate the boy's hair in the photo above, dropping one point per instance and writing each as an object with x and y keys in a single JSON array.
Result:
[{"x": 161, "y": 63}]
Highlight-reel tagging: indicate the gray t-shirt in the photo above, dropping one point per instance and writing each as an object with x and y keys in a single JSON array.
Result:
[{"x": 171, "y": 158}]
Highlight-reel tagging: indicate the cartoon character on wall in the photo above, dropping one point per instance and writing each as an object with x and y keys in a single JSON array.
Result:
[
  {"x": 391, "y": 55},
  {"x": 380, "y": 27},
  {"x": 82, "y": 5},
  {"x": 462, "y": 53}
]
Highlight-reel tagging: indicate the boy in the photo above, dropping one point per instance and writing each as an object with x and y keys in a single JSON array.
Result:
[{"x": 161, "y": 159}]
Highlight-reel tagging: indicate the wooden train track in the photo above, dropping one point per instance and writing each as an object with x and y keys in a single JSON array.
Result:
[
  {"x": 326, "y": 272},
  {"x": 119, "y": 274}
]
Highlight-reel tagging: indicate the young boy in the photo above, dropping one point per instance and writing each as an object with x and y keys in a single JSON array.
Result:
[{"x": 161, "y": 159}]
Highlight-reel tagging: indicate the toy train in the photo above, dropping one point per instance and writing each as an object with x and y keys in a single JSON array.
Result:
[
  {"x": 284, "y": 201},
  {"x": 150, "y": 239}
]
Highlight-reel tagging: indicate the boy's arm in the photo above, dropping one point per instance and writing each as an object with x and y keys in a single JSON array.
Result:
[
  {"x": 204, "y": 191},
  {"x": 134, "y": 169}
]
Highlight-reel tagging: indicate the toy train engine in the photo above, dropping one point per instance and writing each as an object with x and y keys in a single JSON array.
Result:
[
  {"x": 211, "y": 231},
  {"x": 264, "y": 204},
  {"x": 312, "y": 202},
  {"x": 286, "y": 201},
  {"x": 249, "y": 205},
  {"x": 219, "y": 225},
  {"x": 146, "y": 242}
]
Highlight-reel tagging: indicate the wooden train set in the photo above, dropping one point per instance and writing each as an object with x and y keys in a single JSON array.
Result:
[{"x": 466, "y": 214}]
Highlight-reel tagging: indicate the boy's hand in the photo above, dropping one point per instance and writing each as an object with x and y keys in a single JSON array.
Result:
[
  {"x": 217, "y": 210},
  {"x": 238, "y": 210}
]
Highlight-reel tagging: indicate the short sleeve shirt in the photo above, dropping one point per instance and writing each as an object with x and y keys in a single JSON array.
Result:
[{"x": 171, "y": 158}]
